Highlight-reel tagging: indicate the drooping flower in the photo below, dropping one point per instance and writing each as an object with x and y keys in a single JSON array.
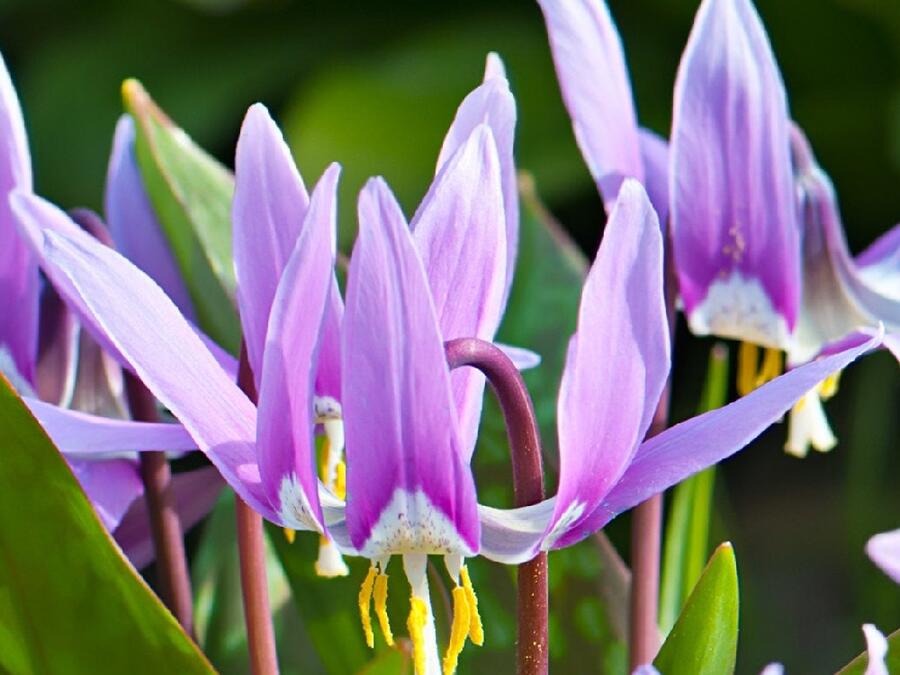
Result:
[
  {"x": 410, "y": 491},
  {"x": 55, "y": 367}
]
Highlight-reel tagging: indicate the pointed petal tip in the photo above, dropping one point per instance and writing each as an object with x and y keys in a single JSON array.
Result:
[{"x": 494, "y": 68}]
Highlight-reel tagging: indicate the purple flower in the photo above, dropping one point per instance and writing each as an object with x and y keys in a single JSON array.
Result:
[
  {"x": 884, "y": 550},
  {"x": 410, "y": 490},
  {"x": 54, "y": 366}
]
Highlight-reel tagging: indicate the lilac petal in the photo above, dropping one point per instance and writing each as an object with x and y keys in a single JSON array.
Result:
[
  {"x": 133, "y": 223},
  {"x": 702, "y": 441},
  {"x": 884, "y": 550},
  {"x": 838, "y": 297},
  {"x": 459, "y": 234},
  {"x": 618, "y": 360},
  {"x": 285, "y": 426},
  {"x": 593, "y": 77},
  {"x": 491, "y": 104},
  {"x": 195, "y": 494},
  {"x": 99, "y": 383},
  {"x": 513, "y": 536},
  {"x": 111, "y": 486},
  {"x": 328, "y": 375},
  {"x": 877, "y": 648},
  {"x": 19, "y": 281},
  {"x": 166, "y": 354},
  {"x": 407, "y": 479},
  {"x": 270, "y": 203},
  {"x": 884, "y": 250},
  {"x": 733, "y": 213},
  {"x": 57, "y": 364},
  {"x": 523, "y": 359},
  {"x": 655, "y": 155},
  {"x": 85, "y": 435}
]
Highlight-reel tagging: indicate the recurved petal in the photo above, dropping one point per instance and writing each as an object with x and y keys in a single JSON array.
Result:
[
  {"x": 617, "y": 363},
  {"x": 111, "y": 485},
  {"x": 165, "y": 352},
  {"x": 270, "y": 203},
  {"x": 689, "y": 447},
  {"x": 80, "y": 434},
  {"x": 285, "y": 425},
  {"x": 733, "y": 213},
  {"x": 19, "y": 282},
  {"x": 884, "y": 550},
  {"x": 459, "y": 234},
  {"x": 407, "y": 480},
  {"x": 492, "y": 104},
  {"x": 593, "y": 77},
  {"x": 133, "y": 223},
  {"x": 838, "y": 296}
]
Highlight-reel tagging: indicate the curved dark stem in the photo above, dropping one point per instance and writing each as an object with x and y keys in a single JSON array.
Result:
[
  {"x": 528, "y": 485},
  {"x": 252, "y": 550},
  {"x": 646, "y": 524},
  {"x": 165, "y": 524}
]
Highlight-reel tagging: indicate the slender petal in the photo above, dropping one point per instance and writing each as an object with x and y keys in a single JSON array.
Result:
[
  {"x": 195, "y": 494},
  {"x": 590, "y": 66},
  {"x": 85, "y": 435},
  {"x": 618, "y": 360},
  {"x": 166, "y": 354},
  {"x": 270, "y": 203},
  {"x": 459, "y": 234},
  {"x": 133, "y": 223},
  {"x": 19, "y": 281},
  {"x": 884, "y": 550},
  {"x": 702, "y": 441},
  {"x": 492, "y": 104},
  {"x": 407, "y": 480},
  {"x": 57, "y": 364},
  {"x": 112, "y": 486},
  {"x": 838, "y": 296},
  {"x": 733, "y": 210},
  {"x": 877, "y": 648},
  {"x": 284, "y": 432}
]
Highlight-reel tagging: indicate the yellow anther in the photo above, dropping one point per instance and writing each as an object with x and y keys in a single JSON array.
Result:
[
  {"x": 365, "y": 599},
  {"x": 771, "y": 366},
  {"x": 476, "y": 630},
  {"x": 381, "y": 593},
  {"x": 748, "y": 357},
  {"x": 800, "y": 405},
  {"x": 458, "y": 631},
  {"x": 340, "y": 481},
  {"x": 415, "y": 624},
  {"x": 829, "y": 386},
  {"x": 290, "y": 535},
  {"x": 323, "y": 460}
]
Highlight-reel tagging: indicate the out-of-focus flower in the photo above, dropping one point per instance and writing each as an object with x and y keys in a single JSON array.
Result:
[{"x": 884, "y": 550}]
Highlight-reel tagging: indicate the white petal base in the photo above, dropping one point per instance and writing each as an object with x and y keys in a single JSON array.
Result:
[
  {"x": 330, "y": 562},
  {"x": 739, "y": 308},
  {"x": 295, "y": 510}
]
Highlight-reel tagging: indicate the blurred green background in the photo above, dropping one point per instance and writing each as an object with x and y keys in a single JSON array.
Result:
[{"x": 375, "y": 85}]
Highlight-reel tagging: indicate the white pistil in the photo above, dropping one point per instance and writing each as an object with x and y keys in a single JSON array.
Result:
[
  {"x": 426, "y": 655},
  {"x": 808, "y": 426}
]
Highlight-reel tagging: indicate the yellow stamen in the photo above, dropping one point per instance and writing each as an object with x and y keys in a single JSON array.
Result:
[
  {"x": 323, "y": 460},
  {"x": 458, "y": 631},
  {"x": 829, "y": 386},
  {"x": 381, "y": 593},
  {"x": 800, "y": 405},
  {"x": 476, "y": 630},
  {"x": 290, "y": 535},
  {"x": 415, "y": 624},
  {"x": 748, "y": 356},
  {"x": 340, "y": 481},
  {"x": 771, "y": 367},
  {"x": 365, "y": 599}
]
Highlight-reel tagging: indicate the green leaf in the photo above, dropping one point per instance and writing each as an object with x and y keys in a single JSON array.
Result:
[
  {"x": 704, "y": 639},
  {"x": 858, "y": 665},
  {"x": 69, "y": 601},
  {"x": 191, "y": 194},
  {"x": 687, "y": 529}
]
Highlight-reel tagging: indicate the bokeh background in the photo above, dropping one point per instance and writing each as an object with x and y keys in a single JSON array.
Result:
[{"x": 374, "y": 85}]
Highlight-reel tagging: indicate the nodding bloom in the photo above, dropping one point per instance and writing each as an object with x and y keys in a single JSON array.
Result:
[
  {"x": 65, "y": 378},
  {"x": 410, "y": 491},
  {"x": 751, "y": 263}
]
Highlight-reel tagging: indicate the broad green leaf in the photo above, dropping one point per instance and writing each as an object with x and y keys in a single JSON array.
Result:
[
  {"x": 218, "y": 610},
  {"x": 191, "y": 194},
  {"x": 858, "y": 665},
  {"x": 704, "y": 639},
  {"x": 687, "y": 530},
  {"x": 69, "y": 601}
]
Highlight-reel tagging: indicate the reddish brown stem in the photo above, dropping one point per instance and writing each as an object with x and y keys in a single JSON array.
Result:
[
  {"x": 532, "y": 655},
  {"x": 165, "y": 525},
  {"x": 254, "y": 581}
]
